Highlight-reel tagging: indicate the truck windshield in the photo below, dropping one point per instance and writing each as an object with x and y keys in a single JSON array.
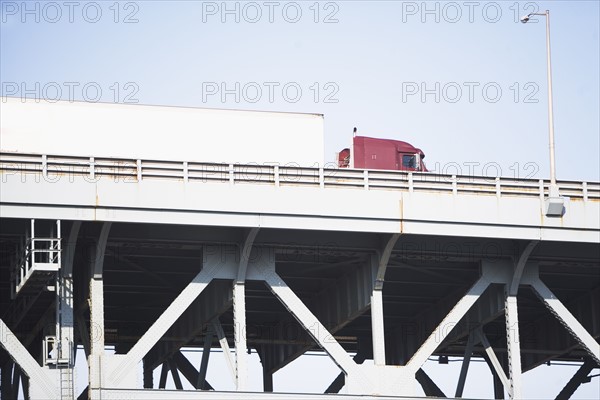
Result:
[{"x": 409, "y": 161}]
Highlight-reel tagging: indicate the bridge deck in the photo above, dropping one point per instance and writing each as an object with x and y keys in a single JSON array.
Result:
[
  {"x": 103, "y": 189},
  {"x": 320, "y": 228}
]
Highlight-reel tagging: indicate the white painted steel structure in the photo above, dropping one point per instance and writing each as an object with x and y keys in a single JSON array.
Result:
[
  {"x": 236, "y": 222},
  {"x": 129, "y": 190}
]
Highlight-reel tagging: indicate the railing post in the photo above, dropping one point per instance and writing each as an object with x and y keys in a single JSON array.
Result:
[
  {"x": 92, "y": 169},
  {"x": 322, "y": 177},
  {"x": 44, "y": 166},
  {"x": 139, "y": 170},
  {"x": 454, "y": 185},
  {"x": 185, "y": 172},
  {"x": 411, "y": 187},
  {"x": 366, "y": 179},
  {"x": 542, "y": 190},
  {"x": 498, "y": 189},
  {"x": 276, "y": 173},
  {"x": 585, "y": 191},
  {"x": 231, "y": 175}
]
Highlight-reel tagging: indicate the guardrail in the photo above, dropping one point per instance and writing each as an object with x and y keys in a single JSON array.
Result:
[
  {"x": 39, "y": 254},
  {"x": 53, "y": 168}
]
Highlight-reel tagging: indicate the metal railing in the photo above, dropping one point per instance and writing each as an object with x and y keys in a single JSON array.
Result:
[
  {"x": 53, "y": 168},
  {"x": 40, "y": 254},
  {"x": 37, "y": 254}
]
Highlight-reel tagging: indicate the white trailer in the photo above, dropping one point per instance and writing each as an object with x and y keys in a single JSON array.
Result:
[{"x": 160, "y": 133}]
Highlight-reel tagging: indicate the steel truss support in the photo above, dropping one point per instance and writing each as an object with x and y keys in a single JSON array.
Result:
[
  {"x": 225, "y": 347},
  {"x": 16, "y": 381},
  {"x": 267, "y": 380},
  {"x": 465, "y": 365},
  {"x": 25, "y": 385},
  {"x": 330, "y": 306},
  {"x": 307, "y": 319},
  {"x": 120, "y": 368},
  {"x": 493, "y": 360},
  {"x": 498, "y": 385},
  {"x": 208, "y": 338},
  {"x": 513, "y": 348},
  {"x": 577, "y": 379},
  {"x": 189, "y": 372},
  {"x": 6, "y": 388},
  {"x": 239, "y": 313},
  {"x": 513, "y": 345},
  {"x": 96, "y": 302},
  {"x": 530, "y": 276},
  {"x": 429, "y": 386},
  {"x": 360, "y": 379},
  {"x": 84, "y": 334},
  {"x": 359, "y": 358},
  {"x": 488, "y": 307},
  {"x": 212, "y": 302},
  {"x": 567, "y": 319},
  {"x": 520, "y": 268},
  {"x": 377, "y": 327},
  {"x": 175, "y": 374},
  {"x": 148, "y": 375},
  {"x": 239, "y": 328},
  {"x": 176, "y": 364},
  {"x": 164, "y": 371},
  {"x": 123, "y": 365},
  {"x": 541, "y": 330},
  {"x": 43, "y": 383},
  {"x": 501, "y": 381},
  {"x": 445, "y": 327},
  {"x": 96, "y": 293},
  {"x": 377, "y": 324},
  {"x": 219, "y": 262}
]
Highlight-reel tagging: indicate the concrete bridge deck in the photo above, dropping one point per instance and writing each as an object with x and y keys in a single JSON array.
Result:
[{"x": 389, "y": 266}]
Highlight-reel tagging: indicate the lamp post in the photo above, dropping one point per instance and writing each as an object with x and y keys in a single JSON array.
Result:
[{"x": 554, "y": 203}]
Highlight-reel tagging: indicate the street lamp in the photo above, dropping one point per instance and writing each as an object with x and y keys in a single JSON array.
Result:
[{"x": 554, "y": 203}]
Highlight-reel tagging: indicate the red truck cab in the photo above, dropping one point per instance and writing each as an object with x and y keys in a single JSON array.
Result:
[{"x": 374, "y": 153}]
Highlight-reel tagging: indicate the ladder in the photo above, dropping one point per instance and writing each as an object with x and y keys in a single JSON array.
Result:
[{"x": 67, "y": 391}]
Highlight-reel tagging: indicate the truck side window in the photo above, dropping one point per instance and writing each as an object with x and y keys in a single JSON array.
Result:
[{"x": 409, "y": 161}]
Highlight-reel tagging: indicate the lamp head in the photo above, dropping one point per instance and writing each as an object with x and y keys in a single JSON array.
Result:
[{"x": 525, "y": 18}]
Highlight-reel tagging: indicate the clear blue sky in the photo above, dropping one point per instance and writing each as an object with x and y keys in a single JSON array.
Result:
[{"x": 376, "y": 65}]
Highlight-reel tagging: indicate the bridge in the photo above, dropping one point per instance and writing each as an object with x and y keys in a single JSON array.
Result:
[{"x": 379, "y": 270}]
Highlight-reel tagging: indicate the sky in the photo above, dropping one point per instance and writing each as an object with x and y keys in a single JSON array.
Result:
[{"x": 464, "y": 81}]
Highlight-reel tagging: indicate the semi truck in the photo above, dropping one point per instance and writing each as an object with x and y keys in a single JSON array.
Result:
[
  {"x": 375, "y": 153},
  {"x": 127, "y": 131}
]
